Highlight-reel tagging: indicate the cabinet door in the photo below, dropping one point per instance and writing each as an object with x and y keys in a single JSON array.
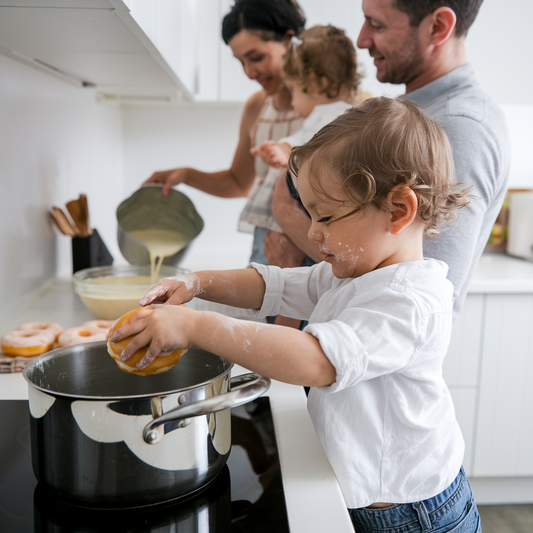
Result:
[
  {"x": 461, "y": 369},
  {"x": 172, "y": 28},
  {"x": 234, "y": 85},
  {"x": 461, "y": 364},
  {"x": 504, "y": 437}
]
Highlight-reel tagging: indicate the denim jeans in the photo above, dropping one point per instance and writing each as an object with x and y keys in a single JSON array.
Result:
[
  {"x": 452, "y": 511},
  {"x": 258, "y": 254}
]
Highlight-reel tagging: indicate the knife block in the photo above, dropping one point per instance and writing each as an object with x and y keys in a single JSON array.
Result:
[{"x": 89, "y": 252}]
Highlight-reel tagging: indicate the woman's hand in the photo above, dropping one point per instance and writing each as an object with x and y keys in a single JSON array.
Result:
[
  {"x": 293, "y": 221},
  {"x": 164, "y": 330},
  {"x": 173, "y": 291},
  {"x": 275, "y": 155},
  {"x": 168, "y": 178}
]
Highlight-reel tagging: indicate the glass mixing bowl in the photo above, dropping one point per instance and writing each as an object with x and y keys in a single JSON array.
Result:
[{"x": 111, "y": 291}]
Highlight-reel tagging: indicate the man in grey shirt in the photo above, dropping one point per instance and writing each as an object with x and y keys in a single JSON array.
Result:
[{"x": 422, "y": 43}]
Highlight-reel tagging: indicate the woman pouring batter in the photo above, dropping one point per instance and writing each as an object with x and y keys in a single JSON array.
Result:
[{"x": 259, "y": 33}]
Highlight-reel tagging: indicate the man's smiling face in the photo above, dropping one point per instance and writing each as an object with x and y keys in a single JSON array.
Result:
[{"x": 393, "y": 43}]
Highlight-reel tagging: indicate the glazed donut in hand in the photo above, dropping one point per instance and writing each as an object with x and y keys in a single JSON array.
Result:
[
  {"x": 158, "y": 365},
  {"x": 79, "y": 335},
  {"x": 27, "y": 342},
  {"x": 52, "y": 327}
]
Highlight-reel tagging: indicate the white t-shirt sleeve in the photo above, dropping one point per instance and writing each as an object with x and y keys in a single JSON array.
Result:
[
  {"x": 291, "y": 292},
  {"x": 375, "y": 338}
]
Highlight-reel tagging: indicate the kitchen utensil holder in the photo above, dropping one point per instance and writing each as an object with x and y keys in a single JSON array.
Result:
[{"x": 89, "y": 252}]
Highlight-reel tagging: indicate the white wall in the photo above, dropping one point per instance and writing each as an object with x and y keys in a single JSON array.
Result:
[
  {"x": 159, "y": 139},
  {"x": 55, "y": 143}
]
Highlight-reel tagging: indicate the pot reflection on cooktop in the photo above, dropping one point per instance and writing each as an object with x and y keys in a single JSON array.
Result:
[{"x": 247, "y": 496}]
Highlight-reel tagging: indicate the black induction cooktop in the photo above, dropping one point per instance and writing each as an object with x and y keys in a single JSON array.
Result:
[{"x": 246, "y": 496}]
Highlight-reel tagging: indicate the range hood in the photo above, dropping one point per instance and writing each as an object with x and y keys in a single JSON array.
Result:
[{"x": 91, "y": 43}]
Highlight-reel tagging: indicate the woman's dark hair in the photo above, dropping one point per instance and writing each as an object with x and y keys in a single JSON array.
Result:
[
  {"x": 272, "y": 19},
  {"x": 465, "y": 11}
]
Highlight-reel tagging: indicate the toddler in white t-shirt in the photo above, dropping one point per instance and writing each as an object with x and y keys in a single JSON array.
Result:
[{"x": 376, "y": 181}]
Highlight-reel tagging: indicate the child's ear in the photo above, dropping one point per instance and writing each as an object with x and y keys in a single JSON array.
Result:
[{"x": 403, "y": 206}]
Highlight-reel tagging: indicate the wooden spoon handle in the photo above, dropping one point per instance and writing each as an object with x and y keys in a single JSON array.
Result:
[
  {"x": 74, "y": 208},
  {"x": 63, "y": 223},
  {"x": 85, "y": 213}
]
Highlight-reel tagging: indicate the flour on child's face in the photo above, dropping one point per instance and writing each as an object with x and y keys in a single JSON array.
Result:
[{"x": 354, "y": 245}]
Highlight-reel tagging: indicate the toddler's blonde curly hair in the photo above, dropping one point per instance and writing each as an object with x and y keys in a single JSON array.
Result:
[
  {"x": 378, "y": 145},
  {"x": 323, "y": 57}
]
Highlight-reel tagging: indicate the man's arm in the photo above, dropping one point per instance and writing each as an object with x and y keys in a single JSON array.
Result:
[
  {"x": 292, "y": 219},
  {"x": 481, "y": 164}
]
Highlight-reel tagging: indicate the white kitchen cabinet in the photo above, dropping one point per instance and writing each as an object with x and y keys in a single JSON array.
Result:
[
  {"x": 461, "y": 364},
  {"x": 146, "y": 50},
  {"x": 172, "y": 27},
  {"x": 504, "y": 440},
  {"x": 99, "y": 43},
  {"x": 489, "y": 371},
  {"x": 461, "y": 369},
  {"x": 221, "y": 77}
]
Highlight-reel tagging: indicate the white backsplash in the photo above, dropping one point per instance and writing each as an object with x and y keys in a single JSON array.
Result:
[
  {"x": 55, "y": 143},
  {"x": 160, "y": 139}
]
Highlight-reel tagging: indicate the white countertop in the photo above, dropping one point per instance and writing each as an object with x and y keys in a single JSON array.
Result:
[
  {"x": 313, "y": 497},
  {"x": 501, "y": 273}
]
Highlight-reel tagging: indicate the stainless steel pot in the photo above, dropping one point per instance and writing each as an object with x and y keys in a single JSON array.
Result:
[{"x": 103, "y": 438}]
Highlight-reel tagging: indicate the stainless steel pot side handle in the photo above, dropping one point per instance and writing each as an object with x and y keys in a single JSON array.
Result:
[{"x": 244, "y": 389}]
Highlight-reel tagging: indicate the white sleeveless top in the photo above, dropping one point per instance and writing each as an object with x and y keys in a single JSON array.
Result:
[{"x": 270, "y": 125}]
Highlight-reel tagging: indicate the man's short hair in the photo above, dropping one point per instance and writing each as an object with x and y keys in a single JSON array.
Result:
[{"x": 465, "y": 10}]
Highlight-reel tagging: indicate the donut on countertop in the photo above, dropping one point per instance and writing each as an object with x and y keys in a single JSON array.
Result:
[
  {"x": 99, "y": 324},
  {"x": 81, "y": 334},
  {"x": 158, "y": 365},
  {"x": 54, "y": 328},
  {"x": 27, "y": 342}
]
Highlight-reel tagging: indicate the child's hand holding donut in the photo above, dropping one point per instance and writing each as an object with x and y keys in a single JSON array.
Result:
[
  {"x": 150, "y": 333},
  {"x": 173, "y": 291}
]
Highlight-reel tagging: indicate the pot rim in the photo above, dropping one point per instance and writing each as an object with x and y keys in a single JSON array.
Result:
[{"x": 59, "y": 352}]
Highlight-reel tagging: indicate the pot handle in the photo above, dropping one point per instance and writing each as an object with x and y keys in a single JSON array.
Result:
[{"x": 244, "y": 389}]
